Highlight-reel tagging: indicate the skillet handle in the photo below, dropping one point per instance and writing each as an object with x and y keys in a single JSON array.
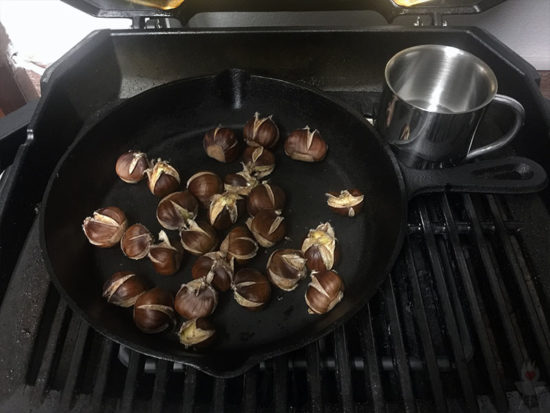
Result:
[{"x": 512, "y": 175}]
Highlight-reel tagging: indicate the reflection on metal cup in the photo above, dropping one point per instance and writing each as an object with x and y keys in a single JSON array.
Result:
[{"x": 433, "y": 100}]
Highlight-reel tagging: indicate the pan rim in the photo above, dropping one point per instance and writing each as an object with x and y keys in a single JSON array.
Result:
[{"x": 194, "y": 359}]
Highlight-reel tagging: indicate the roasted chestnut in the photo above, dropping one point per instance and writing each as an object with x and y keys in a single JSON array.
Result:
[
  {"x": 306, "y": 145},
  {"x": 347, "y": 203},
  {"x": 196, "y": 299},
  {"x": 163, "y": 178},
  {"x": 258, "y": 161},
  {"x": 240, "y": 183},
  {"x": 154, "y": 311},
  {"x": 166, "y": 256},
  {"x": 225, "y": 209},
  {"x": 325, "y": 290},
  {"x": 198, "y": 238},
  {"x": 174, "y": 210},
  {"x": 123, "y": 288},
  {"x": 203, "y": 185},
  {"x": 136, "y": 242},
  {"x": 267, "y": 226},
  {"x": 321, "y": 248},
  {"x": 197, "y": 333},
  {"x": 285, "y": 268},
  {"x": 131, "y": 166},
  {"x": 251, "y": 288},
  {"x": 221, "y": 144},
  {"x": 240, "y": 245},
  {"x": 265, "y": 196},
  {"x": 215, "y": 268},
  {"x": 261, "y": 131},
  {"x": 105, "y": 227}
]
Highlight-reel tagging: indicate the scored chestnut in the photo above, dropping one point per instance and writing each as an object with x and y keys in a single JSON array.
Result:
[
  {"x": 163, "y": 178},
  {"x": 154, "y": 311},
  {"x": 251, "y": 289},
  {"x": 240, "y": 182},
  {"x": 166, "y": 256},
  {"x": 285, "y": 268},
  {"x": 306, "y": 145},
  {"x": 136, "y": 242},
  {"x": 131, "y": 166},
  {"x": 240, "y": 245},
  {"x": 265, "y": 196},
  {"x": 198, "y": 238},
  {"x": 325, "y": 290},
  {"x": 196, "y": 299},
  {"x": 267, "y": 226},
  {"x": 203, "y": 185},
  {"x": 321, "y": 248},
  {"x": 215, "y": 268},
  {"x": 175, "y": 209},
  {"x": 198, "y": 333},
  {"x": 225, "y": 209},
  {"x": 123, "y": 288},
  {"x": 221, "y": 144},
  {"x": 105, "y": 227},
  {"x": 261, "y": 131},
  {"x": 259, "y": 161},
  {"x": 347, "y": 203}
]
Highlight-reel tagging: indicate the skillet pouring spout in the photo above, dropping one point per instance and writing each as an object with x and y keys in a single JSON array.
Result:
[{"x": 511, "y": 175}]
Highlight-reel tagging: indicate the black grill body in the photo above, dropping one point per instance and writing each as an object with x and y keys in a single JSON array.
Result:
[{"x": 461, "y": 323}]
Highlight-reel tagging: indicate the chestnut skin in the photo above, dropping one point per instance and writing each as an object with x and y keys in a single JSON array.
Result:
[
  {"x": 175, "y": 209},
  {"x": 136, "y": 242},
  {"x": 203, "y": 185},
  {"x": 154, "y": 311},
  {"x": 123, "y": 288},
  {"x": 265, "y": 196},
  {"x": 251, "y": 289},
  {"x": 105, "y": 227},
  {"x": 214, "y": 265},
  {"x": 261, "y": 131},
  {"x": 221, "y": 144},
  {"x": 131, "y": 166},
  {"x": 306, "y": 145}
]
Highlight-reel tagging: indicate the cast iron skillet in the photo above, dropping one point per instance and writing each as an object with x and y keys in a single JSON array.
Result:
[{"x": 169, "y": 122}]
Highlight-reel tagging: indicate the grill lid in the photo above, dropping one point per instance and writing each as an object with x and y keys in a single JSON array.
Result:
[{"x": 183, "y": 10}]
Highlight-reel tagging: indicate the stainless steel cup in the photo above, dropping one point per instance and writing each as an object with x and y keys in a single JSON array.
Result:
[{"x": 433, "y": 101}]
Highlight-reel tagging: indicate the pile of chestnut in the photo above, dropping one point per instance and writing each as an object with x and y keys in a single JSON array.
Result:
[{"x": 223, "y": 202}]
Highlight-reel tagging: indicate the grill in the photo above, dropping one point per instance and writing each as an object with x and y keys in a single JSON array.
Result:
[{"x": 460, "y": 325}]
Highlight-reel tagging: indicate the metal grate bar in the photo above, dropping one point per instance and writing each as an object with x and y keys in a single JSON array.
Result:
[
  {"x": 280, "y": 388},
  {"x": 74, "y": 368},
  {"x": 456, "y": 298},
  {"x": 465, "y": 227},
  {"x": 343, "y": 370},
  {"x": 250, "y": 390},
  {"x": 373, "y": 383},
  {"x": 476, "y": 308},
  {"x": 103, "y": 369},
  {"x": 492, "y": 271},
  {"x": 448, "y": 313},
  {"x": 524, "y": 280},
  {"x": 424, "y": 332},
  {"x": 162, "y": 373},
  {"x": 135, "y": 364},
  {"x": 314, "y": 378},
  {"x": 398, "y": 345},
  {"x": 219, "y": 395},
  {"x": 54, "y": 339},
  {"x": 189, "y": 388}
]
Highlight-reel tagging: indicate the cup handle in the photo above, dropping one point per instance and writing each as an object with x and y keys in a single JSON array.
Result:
[{"x": 519, "y": 117}]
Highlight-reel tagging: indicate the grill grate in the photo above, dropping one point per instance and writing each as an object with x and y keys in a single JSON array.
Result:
[{"x": 452, "y": 328}]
